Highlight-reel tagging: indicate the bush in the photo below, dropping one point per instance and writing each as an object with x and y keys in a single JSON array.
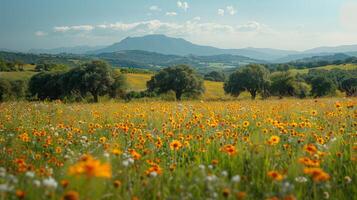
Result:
[{"x": 215, "y": 76}]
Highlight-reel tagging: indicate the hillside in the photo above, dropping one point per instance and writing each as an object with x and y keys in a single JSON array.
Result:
[{"x": 328, "y": 67}]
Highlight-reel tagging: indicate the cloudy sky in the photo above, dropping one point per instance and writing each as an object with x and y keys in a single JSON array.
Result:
[{"x": 282, "y": 24}]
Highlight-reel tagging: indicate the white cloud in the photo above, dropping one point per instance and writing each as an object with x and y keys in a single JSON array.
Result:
[
  {"x": 220, "y": 12},
  {"x": 73, "y": 28},
  {"x": 40, "y": 33},
  {"x": 171, "y": 14},
  {"x": 183, "y": 5},
  {"x": 155, "y": 8},
  {"x": 156, "y": 26},
  {"x": 252, "y": 26},
  {"x": 231, "y": 10},
  {"x": 348, "y": 16}
]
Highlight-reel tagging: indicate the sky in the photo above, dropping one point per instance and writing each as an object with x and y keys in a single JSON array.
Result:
[{"x": 280, "y": 24}]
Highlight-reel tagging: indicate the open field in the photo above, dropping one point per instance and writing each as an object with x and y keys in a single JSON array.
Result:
[
  {"x": 214, "y": 90},
  {"x": 288, "y": 149}
]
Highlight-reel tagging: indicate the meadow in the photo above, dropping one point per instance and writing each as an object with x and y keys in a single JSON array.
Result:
[{"x": 273, "y": 149}]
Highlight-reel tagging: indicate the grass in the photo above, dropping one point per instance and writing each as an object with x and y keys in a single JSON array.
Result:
[
  {"x": 281, "y": 149},
  {"x": 20, "y": 75}
]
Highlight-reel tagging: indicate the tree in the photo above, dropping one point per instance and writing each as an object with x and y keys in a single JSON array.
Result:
[
  {"x": 322, "y": 86},
  {"x": 215, "y": 76},
  {"x": 349, "y": 86},
  {"x": 282, "y": 84},
  {"x": 302, "y": 89},
  {"x": 252, "y": 78},
  {"x": 46, "y": 85},
  {"x": 5, "y": 89},
  {"x": 118, "y": 87},
  {"x": 95, "y": 78},
  {"x": 181, "y": 79}
]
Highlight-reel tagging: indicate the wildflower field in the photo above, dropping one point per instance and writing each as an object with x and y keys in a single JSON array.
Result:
[{"x": 274, "y": 149}]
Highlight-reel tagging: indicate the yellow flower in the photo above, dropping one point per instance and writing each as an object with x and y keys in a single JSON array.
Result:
[
  {"x": 245, "y": 124},
  {"x": 175, "y": 145},
  {"x": 91, "y": 168},
  {"x": 116, "y": 152}
]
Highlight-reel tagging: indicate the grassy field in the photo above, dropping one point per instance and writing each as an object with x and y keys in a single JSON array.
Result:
[
  {"x": 26, "y": 74},
  {"x": 287, "y": 149},
  {"x": 329, "y": 67},
  {"x": 214, "y": 90}
]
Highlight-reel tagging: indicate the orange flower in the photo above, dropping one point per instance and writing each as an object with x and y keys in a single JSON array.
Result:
[
  {"x": 273, "y": 140},
  {"x": 229, "y": 149},
  {"x": 117, "y": 183},
  {"x": 135, "y": 154},
  {"x": 20, "y": 194},
  {"x": 175, "y": 145},
  {"x": 317, "y": 174},
  {"x": 155, "y": 168},
  {"x": 71, "y": 195},
  {"x": 309, "y": 162},
  {"x": 310, "y": 148},
  {"x": 91, "y": 168},
  {"x": 275, "y": 175}
]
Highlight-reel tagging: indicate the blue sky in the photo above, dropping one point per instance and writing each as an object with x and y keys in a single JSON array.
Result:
[{"x": 283, "y": 24}]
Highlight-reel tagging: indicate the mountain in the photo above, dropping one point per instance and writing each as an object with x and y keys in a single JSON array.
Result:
[
  {"x": 178, "y": 46},
  {"x": 336, "y": 49},
  {"x": 68, "y": 50},
  {"x": 325, "y": 58},
  {"x": 154, "y": 61}
]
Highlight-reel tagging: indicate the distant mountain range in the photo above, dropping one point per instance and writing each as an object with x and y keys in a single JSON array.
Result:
[
  {"x": 162, "y": 44},
  {"x": 177, "y": 46},
  {"x": 69, "y": 50}
]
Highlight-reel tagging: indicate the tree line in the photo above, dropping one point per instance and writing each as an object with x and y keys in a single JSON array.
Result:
[{"x": 97, "y": 78}]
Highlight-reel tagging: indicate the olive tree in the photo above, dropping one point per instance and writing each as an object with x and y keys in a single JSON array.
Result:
[
  {"x": 253, "y": 78},
  {"x": 181, "y": 79}
]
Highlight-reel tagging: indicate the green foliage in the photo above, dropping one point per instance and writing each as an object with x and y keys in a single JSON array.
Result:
[
  {"x": 253, "y": 78},
  {"x": 349, "y": 85},
  {"x": 5, "y": 89},
  {"x": 181, "y": 79},
  {"x": 322, "y": 86},
  {"x": 282, "y": 84},
  {"x": 47, "y": 85},
  {"x": 117, "y": 89},
  {"x": 302, "y": 89},
  {"x": 50, "y": 67},
  {"x": 215, "y": 76},
  {"x": 96, "y": 78},
  {"x": 12, "y": 89}
]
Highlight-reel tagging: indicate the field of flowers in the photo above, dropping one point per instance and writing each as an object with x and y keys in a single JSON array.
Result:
[{"x": 276, "y": 149}]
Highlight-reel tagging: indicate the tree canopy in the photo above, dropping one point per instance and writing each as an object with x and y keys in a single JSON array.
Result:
[
  {"x": 253, "y": 78},
  {"x": 181, "y": 79}
]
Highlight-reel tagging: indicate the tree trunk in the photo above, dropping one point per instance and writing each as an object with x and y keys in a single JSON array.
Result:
[
  {"x": 253, "y": 93},
  {"x": 178, "y": 95},
  {"x": 95, "y": 97}
]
